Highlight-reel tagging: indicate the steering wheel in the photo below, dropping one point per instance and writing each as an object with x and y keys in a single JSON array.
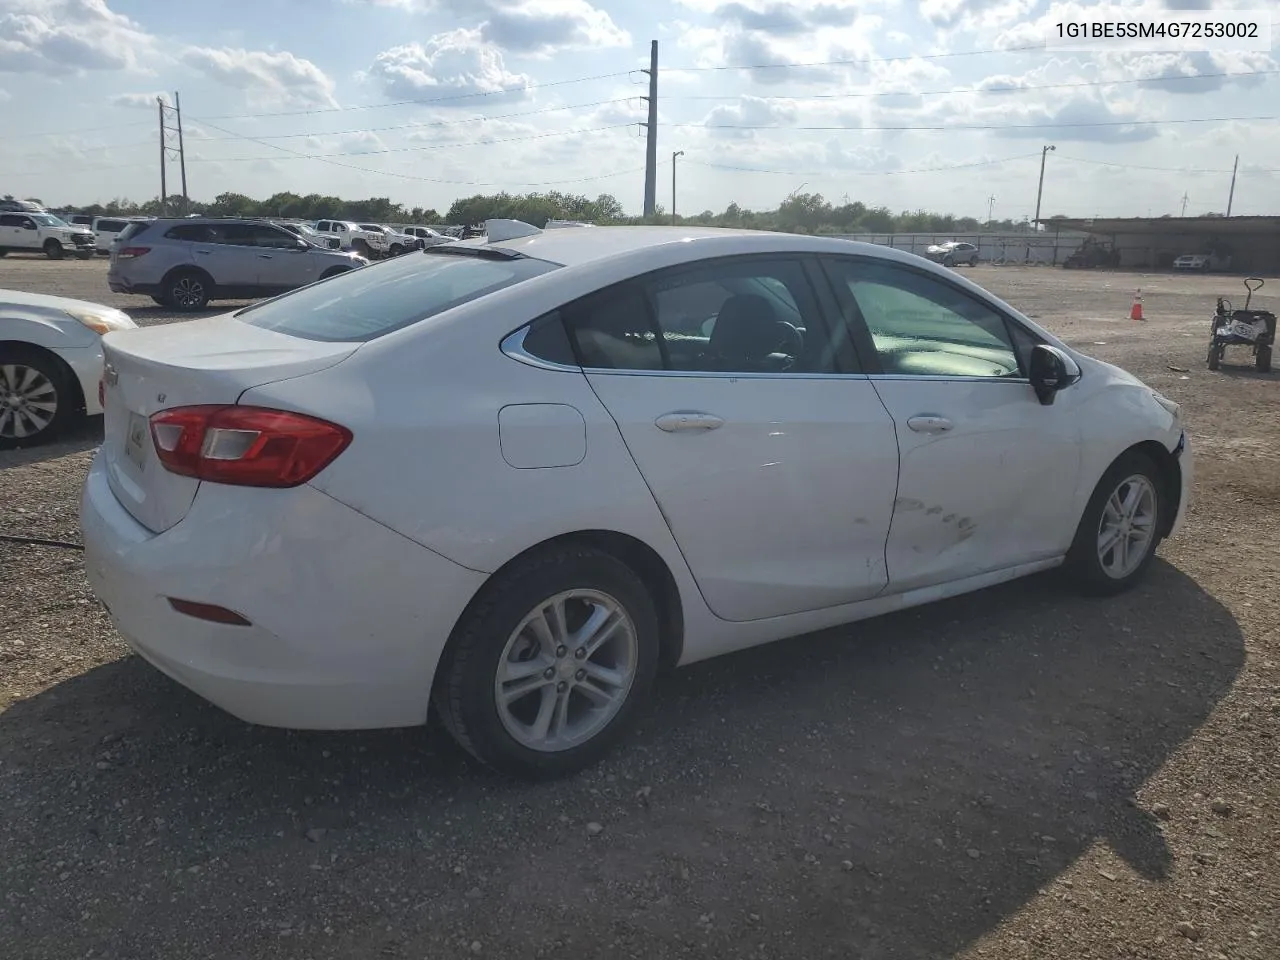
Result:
[{"x": 790, "y": 339}]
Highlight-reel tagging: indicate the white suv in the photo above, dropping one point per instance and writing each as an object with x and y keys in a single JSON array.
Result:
[{"x": 35, "y": 232}]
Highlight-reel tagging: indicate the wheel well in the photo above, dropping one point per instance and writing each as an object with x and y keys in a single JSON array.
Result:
[
  {"x": 1170, "y": 473},
  {"x": 188, "y": 268},
  {"x": 68, "y": 375},
  {"x": 333, "y": 272},
  {"x": 645, "y": 563}
]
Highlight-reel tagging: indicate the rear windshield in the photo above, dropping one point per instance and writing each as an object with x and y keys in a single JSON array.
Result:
[
  {"x": 369, "y": 302},
  {"x": 133, "y": 229}
]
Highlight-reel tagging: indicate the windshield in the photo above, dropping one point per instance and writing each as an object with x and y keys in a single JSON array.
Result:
[
  {"x": 360, "y": 305},
  {"x": 48, "y": 220}
]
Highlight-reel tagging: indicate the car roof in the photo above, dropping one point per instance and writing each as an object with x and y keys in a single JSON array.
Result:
[{"x": 574, "y": 247}]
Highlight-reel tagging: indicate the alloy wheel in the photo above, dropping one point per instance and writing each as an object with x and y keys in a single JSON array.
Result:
[
  {"x": 28, "y": 401},
  {"x": 1127, "y": 528},
  {"x": 566, "y": 670}
]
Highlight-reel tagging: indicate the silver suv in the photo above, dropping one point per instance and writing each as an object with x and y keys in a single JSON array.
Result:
[{"x": 185, "y": 263}]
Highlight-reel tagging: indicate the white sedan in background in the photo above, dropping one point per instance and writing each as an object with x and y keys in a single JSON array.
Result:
[
  {"x": 514, "y": 478},
  {"x": 50, "y": 363}
]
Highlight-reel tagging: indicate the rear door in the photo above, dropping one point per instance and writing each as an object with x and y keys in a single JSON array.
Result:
[
  {"x": 231, "y": 256},
  {"x": 282, "y": 264},
  {"x": 11, "y": 230},
  {"x": 765, "y": 446}
]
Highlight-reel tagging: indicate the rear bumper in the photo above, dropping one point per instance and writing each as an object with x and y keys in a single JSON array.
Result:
[
  {"x": 122, "y": 284},
  {"x": 348, "y": 618}
]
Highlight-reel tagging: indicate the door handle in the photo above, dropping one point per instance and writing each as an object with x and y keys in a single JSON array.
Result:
[
  {"x": 204, "y": 253},
  {"x": 688, "y": 420},
  {"x": 929, "y": 423},
  {"x": 264, "y": 256}
]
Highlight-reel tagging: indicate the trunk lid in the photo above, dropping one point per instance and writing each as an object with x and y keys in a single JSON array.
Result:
[{"x": 196, "y": 362}]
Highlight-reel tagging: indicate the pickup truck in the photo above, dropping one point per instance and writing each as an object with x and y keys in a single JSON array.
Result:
[
  {"x": 43, "y": 232},
  {"x": 367, "y": 239}
]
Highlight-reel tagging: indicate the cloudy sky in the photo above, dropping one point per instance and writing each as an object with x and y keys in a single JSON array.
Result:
[{"x": 939, "y": 104}]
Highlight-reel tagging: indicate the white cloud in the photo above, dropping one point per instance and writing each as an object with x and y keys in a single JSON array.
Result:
[
  {"x": 455, "y": 64},
  {"x": 267, "y": 76},
  {"x": 145, "y": 101},
  {"x": 728, "y": 119},
  {"x": 531, "y": 27},
  {"x": 70, "y": 36}
]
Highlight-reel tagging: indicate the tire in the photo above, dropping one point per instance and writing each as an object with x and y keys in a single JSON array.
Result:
[
  {"x": 1106, "y": 573},
  {"x": 333, "y": 272},
  {"x": 187, "y": 290},
  {"x": 362, "y": 248},
  {"x": 85, "y": 254},
  {"x": 494, "y": 630},
  {"x": 973, "y": 261},
  {"x": 396, "y": 250},
  {"x": 1215, "y": 356},
  {"x": 161, "y": 301},
  {"x": 53, "y": 249},
  {"x": 948, "y": 262},
  {"x": 1262, "y": 360},
  {"x": 31, "y": 375}
]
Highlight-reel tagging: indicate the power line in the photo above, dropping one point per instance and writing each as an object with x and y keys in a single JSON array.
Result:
[
  {"x": 859, "y": 60},
  {"x": 1135, "y": 166},
  {"x": 406, "y": 176},
  {"x": 971, "y": 126},
  {"x": 1007, "y": 89},
  {"x": 833, "y": 173},
  {"x": 72, "y": 133},
  {"x": 429, "y": 146},
  {"x": 420, "y": 126},
  {"x": 422, "y": 101}
]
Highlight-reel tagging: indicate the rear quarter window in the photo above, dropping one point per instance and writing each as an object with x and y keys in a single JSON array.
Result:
[{"x": 370, "y": 302}]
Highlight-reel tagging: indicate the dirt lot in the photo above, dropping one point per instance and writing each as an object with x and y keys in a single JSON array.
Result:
[{"x": 1014, "y": 774}]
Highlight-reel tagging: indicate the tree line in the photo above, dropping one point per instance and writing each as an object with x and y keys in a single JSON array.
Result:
[{"x": 799, "y": 213}]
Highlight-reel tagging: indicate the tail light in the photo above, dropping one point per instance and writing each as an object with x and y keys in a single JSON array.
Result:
[
  {"x": 245, "y": 446},
  {"x": 132, "y": 253},
  {"x": 102, "y": 393}
]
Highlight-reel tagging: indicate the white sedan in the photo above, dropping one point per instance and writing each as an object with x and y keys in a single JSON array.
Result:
[
  {"x": 50, "y": 363},
  {"x": 512, "y": 479}
]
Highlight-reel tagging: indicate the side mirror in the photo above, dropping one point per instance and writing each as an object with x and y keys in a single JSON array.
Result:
[
  {"x": 301, "y": 244},
  {"x": 1051, "y": 370}
]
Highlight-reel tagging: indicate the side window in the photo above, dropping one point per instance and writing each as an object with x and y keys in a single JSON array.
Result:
[
  {"x": 732, "y": 316},
  {"x": 614, "y": 330},
  {"x": 265, "y": 236},
  {"x": 923, "y": 327},
  {"x": 9, "y": 220},
  {"x": 28, "y": 224},
  {"x": 190, "y": 232},
  {"x": 546, "y": 339},
  {"x": 742, "y": 316}
]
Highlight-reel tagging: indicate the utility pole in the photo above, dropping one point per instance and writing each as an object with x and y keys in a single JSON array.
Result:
[
  {"x": 1232, "y": 195},
  {"x": 678, "y": 153},
  {"x": 166, "y": 152},
  {"x": 1184, "y": 203},
  {"x": 1040, "y": 190},
  {"x": 651, "y": 145},
  {"x": 991, "y": 206},
  {"x": 163, "y": 198},
  {"x": 182, "y": 155}
]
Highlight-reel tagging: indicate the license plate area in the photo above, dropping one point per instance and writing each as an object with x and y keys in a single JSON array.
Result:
[{"x": 137, "y": 440}]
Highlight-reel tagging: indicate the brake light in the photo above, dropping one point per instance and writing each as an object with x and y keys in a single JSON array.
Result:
[
  {"x": 131, "y": 253},
  {"x": 245, "y": 446}
]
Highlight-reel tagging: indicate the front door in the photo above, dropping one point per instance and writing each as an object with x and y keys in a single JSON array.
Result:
[
  {"x": 766, "y": 449},
  {"x": 282, "y": 264},
  {"x": 18, "y": 232},
  {"x": 988, "y": 475}
]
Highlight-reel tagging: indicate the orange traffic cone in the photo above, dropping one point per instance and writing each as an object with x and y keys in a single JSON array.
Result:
[{"x": 1135, "y": 312}]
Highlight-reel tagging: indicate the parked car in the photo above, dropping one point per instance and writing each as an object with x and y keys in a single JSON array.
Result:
[
  {"x": 311, "y": 235},
  {"x": 43, "y": 232},
  {"x": 50, "y": 363},
  {"x": 21, "y": 206},
  {"x": 427, "y": 237},
  {"x": 515, "y": 479},
  {"x": 952, "y": 253},
  {"x": 186, "y": 263},
  {"x": 1201, "y": 261},
  {"x": 367, "y": 239},
  {"x": 106, "y": 230}
]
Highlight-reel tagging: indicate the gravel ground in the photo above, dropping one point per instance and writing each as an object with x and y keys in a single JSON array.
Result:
[{"x": 1019, "y": 773}]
